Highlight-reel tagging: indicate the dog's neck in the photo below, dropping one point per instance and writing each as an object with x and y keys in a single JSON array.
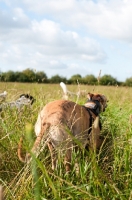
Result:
[{"x": 94, "y": 106}]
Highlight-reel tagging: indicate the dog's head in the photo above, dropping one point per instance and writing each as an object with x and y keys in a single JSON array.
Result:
[
  {"x": 98, "y": 97},
  {"x": 26, "y": 99}
]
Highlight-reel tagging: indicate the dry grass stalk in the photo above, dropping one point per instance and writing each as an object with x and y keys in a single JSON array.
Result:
[
  {"x": 1, "y": 193},
  {"x": 99, "y": 76}
]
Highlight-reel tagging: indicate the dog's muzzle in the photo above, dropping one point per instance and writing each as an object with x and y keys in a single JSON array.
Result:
[{"x": 104, "y": 107}]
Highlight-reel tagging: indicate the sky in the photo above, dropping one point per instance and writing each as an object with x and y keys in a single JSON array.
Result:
[{"x": 67, "y": 37}]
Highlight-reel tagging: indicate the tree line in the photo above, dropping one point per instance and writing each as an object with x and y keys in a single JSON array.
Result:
[{"x": 29, "y": 75}]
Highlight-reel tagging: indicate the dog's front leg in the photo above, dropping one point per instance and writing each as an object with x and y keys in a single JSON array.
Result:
[
  {"x": 53, "y": 155},
  {"x": 67, "y": 159},
  {"x": 95, "y": 142}
]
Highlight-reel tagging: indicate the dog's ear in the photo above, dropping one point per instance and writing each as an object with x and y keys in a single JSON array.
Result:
[
  {"x": 27, "y": 96},
  {"x": 89, "y": 96},
  {"x": 98, "y": 97},
  {"x": 24, "y": 95},
  {"x": 32, "y": 99}
]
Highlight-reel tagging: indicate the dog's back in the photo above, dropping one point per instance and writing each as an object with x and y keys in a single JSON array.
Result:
[{"x": 64, "y": 114}]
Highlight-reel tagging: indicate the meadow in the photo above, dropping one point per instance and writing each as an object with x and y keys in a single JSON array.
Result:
[{"x": 106, "y": 175}]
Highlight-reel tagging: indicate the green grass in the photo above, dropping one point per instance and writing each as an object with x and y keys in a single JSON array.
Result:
[{"x": 103, "y": 176}]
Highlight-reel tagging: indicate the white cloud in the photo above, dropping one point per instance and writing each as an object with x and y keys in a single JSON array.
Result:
[
  {"x": 13, "y": 20},
  {"x": 47, "y": 39},
  {"x": 111, "y": 18}
]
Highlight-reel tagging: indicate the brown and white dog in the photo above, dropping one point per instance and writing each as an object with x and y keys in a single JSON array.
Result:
[{"x": 63, "y": 124}]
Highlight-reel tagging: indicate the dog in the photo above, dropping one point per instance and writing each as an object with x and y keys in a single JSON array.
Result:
[
  {"x": 24, "y": 99},
  {"x": 61, "y": 124}
]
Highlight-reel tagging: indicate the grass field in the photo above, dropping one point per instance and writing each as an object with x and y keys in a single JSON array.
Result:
[{"x": 103, "y": 176}]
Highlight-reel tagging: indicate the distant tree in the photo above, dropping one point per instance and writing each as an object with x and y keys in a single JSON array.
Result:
[
  {"x": 41, "y": 77},
  {"x": 107, "y": 80},
  {"x": 30, "y": 74},
  {"x": 75, "y": 78},
  {"x": 128, "y": 81},
  {"x": 89, "y": 79},
  {"x": 2, "y": 77},
  {"x": 21, "y": 77},
  {"x": 57, "y": 79},
  {"x": 9, "y": 76}
]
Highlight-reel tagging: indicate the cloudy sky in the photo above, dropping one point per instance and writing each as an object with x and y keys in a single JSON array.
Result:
[{"x": 67, "y": 37}]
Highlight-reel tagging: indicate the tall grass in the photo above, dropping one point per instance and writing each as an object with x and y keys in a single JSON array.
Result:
[{"x": 105, "y": 175}]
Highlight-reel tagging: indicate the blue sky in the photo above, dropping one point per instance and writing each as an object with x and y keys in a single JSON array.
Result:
[{"x": 67, "y": 37}]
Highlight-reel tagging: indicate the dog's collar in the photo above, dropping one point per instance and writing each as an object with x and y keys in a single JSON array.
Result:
[{"x": 94, "y": 106}]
